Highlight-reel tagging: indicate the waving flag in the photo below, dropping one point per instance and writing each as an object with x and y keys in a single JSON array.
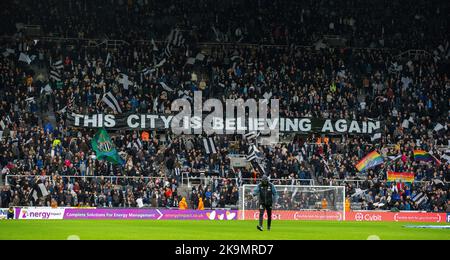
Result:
[
  {"x": 39, "y": 190},
  {"x": 420, "y": 155},
  {"x": 110, "y": 100},
  {"x": 252, "y": 153},
  {"x": 104, "y": 148},
  {"x": 400, "y": 176},
  {"x": 371, "y": 160},
  {"x": 209, "y": 145}
]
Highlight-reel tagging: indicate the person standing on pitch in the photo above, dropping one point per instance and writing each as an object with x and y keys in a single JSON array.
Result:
[{"x": 267, "y": 195}]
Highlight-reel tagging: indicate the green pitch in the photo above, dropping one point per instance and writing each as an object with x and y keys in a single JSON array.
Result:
[{"x": 208, "y": 230}]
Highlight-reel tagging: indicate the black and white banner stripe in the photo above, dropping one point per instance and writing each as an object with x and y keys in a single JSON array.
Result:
[
  {"x": 54, "y": 74},
  {"x": 168, "y": 51},
  {"x": 111, "y": 101},
  {"x": 175, "y": 38},
  {"x": 210, "y": 146}
]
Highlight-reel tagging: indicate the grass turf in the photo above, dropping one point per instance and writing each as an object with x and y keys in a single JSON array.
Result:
[{"x": 208, "y": 230}]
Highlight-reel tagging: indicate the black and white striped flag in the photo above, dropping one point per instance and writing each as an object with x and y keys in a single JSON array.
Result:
[
  {"x": 39, "y": 191},
  {"x": 210, "y": 146},
  {"x": 419, "y": 198},
  {"x": 59, "y": 65},
  {"x": 251, "y": 136},
  {"x": 54, "y": 74},
  {"x": 71, "y": 102},
  {"x": 176, "y": 38},
  {"x": 111, "y": 101},
  {"x": 184, "y": 95},
  {"x": 168, "y": 51},
  {"x": 259, "y": 166},
  {"x": 138, "y": 144},
  {"x": 252, "y": 153}
]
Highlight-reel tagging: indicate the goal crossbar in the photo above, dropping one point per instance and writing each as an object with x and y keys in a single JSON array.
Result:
[{"x": 295, "y": 195}]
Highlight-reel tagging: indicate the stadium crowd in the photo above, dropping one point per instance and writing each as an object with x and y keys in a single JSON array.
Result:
[
  {"x": 380, "y": 23},
  {"x": 409, "y": 95}
]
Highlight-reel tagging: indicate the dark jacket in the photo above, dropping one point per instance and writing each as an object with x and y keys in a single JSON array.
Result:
[{"x": 267, "y": 194}]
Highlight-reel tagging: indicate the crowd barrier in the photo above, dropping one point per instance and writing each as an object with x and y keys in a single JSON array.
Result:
[{"x": 44, "y": 213}]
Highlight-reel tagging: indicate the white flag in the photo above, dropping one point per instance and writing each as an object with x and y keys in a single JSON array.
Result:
[
  {"x": 164, "y": 85},
  {"x": 25, "y": 58},
  {"x": 108, "y": 60},
  {"x": 405, "y": 124},
  {"x": 376, "y": 137},
  {"x": 140, "y": 203},
  {"x": 438, "y": 127},
  {"x": 190, "y": 61},
  {"x": 200, "y": 57},
  {"x": 160, "y": 63},
  {"x": 155, "y": 48},
  {"x": 111, "y": 101},
  {"x": 148, "y": 71},
  {"x": 30, "y": 99},
  {"x": 47, "y": 88}
]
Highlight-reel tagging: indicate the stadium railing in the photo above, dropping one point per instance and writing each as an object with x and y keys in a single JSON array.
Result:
[
  {"x": 189, "y": 180},
  {"x": 185, "y": 179},
  {"x": 111, "y": 178}
]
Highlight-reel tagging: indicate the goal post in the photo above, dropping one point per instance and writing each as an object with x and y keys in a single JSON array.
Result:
[{"x": 297, "y": 202}]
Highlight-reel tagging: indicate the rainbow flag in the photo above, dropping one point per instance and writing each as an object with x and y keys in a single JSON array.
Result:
[
  {"x": 400, "y": 176},
  {"x": 371, "y": 160},
  {"x": 420, "y": 155}
]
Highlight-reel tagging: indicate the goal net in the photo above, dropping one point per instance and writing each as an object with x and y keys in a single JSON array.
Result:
[{"x": 297, "y": 203}]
